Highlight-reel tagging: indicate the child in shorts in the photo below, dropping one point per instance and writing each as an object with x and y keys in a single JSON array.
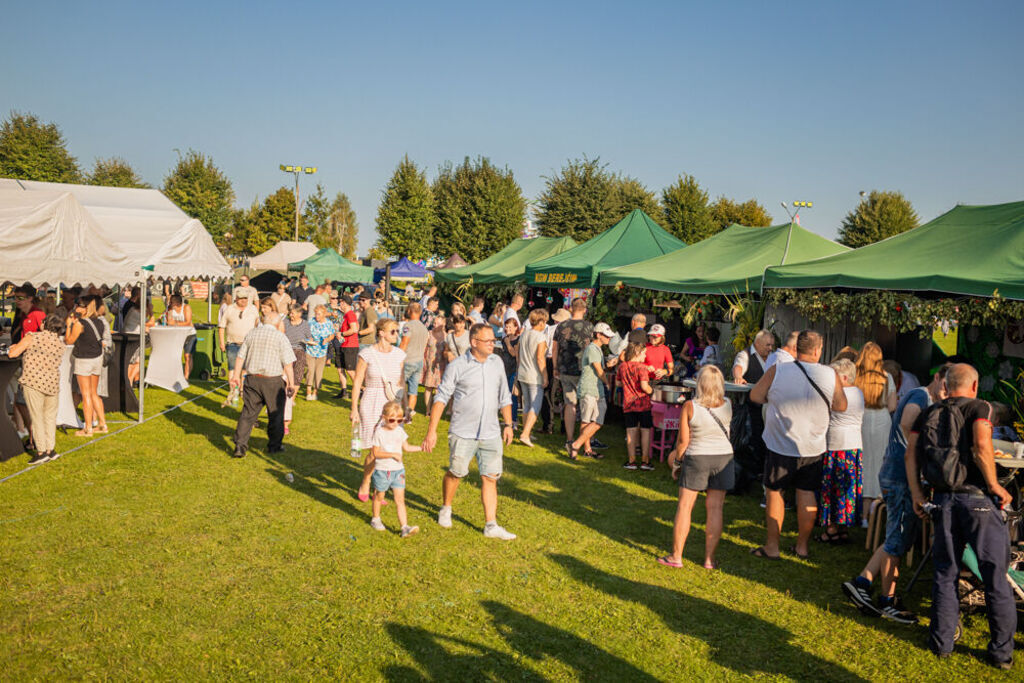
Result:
[{"x": 389, "y": 442}]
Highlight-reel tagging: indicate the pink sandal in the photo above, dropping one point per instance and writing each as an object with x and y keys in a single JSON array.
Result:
[{"x": 667, "y": 561}]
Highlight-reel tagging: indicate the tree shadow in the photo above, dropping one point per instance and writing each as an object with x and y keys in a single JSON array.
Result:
[
  {"x": 449, "y": 658},
  {"x": 727, "y": 632}
]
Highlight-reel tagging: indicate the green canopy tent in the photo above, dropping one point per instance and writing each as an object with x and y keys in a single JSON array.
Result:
[
  {"x": 730, "y": 262},
  {"x": 635, "y": 238},
  {"x": 509, "y": 264},
  {"x": 969, "y": 250},
  {"x": 328, "y": 264}
]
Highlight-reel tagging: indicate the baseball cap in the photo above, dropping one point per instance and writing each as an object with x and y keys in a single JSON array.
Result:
[
  {"x": 658, "y": 330},
  {"x": 241, "y": 293},
  {"x": 603, "y": 329}
]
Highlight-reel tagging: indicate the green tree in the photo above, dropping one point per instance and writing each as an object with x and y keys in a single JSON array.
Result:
[
  {"x": 405, "y": 217},
  {"x": 878, "y": 216},
  {"x": 32, "y": 150},
  {"x": 480, "y": 209},
  {"x": 725, "y": 212},
  {"x": 629, "y": 193},
  {"x": 344, "y": 225},
  {"x": 686, "y": 211},
  {"x": 201, "y": 190},
  {"x": 315, "y": 218},
  {"x": 115, "y": 172},
  {"x": 578, "y": 201},
  {"x": 273, "y": 222}
]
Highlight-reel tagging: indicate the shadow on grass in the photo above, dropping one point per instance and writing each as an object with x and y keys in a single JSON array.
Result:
[
  {"x": 741, "y": 642},
  {"x": 447, "y": 658}
]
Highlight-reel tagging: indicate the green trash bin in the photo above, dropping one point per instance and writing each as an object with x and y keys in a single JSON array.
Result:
[{"x": 207, "y": 359}]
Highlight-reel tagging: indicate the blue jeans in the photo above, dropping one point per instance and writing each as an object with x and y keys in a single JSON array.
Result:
[
  {"x": 964, "y": 518},
  {"x": 515, "y": 399}
]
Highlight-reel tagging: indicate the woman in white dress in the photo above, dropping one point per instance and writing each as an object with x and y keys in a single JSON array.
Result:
[
  {"x": 879, "y": 401},
  {"x": 378, "y": 364}
]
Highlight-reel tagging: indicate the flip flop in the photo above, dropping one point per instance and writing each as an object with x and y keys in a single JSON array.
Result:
[
  {"x": 711, "y": 565},
  {"x": 667, "y": 561},
  {"x": 802, "y": 557},
  {"x": 526, "y": 442},
  {"x": 363, "y": 497},
  {"x": 759, "y": 551}
]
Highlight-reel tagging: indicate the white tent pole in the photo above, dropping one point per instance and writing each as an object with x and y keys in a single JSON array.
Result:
[
  {"x": 143, "y": 317},
  {"x": 209, "y": 300}
]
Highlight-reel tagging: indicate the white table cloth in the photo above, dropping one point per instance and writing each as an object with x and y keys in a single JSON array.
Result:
[
  {"x": 164, "y": 369},
  {"x": 67, "y": 416}
]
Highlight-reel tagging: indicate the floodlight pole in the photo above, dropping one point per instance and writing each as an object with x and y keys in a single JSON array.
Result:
[
  {"x": 310, "y": 170},
  {"x": 792, "y": 219}
]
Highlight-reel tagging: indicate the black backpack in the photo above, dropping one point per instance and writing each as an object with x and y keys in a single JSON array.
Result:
[{"x": 938, "y": 447}]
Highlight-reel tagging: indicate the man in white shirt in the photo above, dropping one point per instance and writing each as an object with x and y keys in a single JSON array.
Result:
[
  {"x": 244, "y": 286},
  {"x": 513, "y": 309},
  {"x": 785, "y": 353},
  {"x": 800, "y": 396}
]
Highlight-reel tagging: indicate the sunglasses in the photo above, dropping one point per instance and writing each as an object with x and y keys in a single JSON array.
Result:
[{"x": 393, "y": 420}]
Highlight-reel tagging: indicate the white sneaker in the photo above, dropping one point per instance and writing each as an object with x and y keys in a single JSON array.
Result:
[
  {"x": 495, "y": 531},
  {"x": 377, "y": 525},
  {"x": 444, "y": 517},
  {"x": 408, "y": 531}
]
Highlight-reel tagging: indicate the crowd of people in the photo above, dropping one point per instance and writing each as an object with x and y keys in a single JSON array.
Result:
[{"x": 843, "y": 437}]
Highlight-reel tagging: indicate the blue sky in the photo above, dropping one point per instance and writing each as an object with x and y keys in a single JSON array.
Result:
[{"x": 776, "y": 101}]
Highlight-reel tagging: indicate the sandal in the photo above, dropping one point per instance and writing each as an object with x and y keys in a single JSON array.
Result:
[
  {"x": 82, "y": 432},
  {"x": 667, "y": 561},
  {"x": 760, "y": 552},
  {"x": 802, "y": 557},
  {"x": 711, "y": 565},
  {"x": 828, "y": 537},
  {"x": 571, "y": 450}
]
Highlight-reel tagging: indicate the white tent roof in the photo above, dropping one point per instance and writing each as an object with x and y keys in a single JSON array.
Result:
[
  {"x": 146, "y": 225},
  {"x": 281, "y": 254},
  {"x": 47, "y": 237}
]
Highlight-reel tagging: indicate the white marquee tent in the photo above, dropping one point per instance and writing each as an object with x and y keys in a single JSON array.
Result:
[{"x": 281, "y": 254}]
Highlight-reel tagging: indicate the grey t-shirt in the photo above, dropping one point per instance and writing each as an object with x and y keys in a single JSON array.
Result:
[
  {"x": 457, "y": 345},
  {"x": 296, "y": 333},
  {"x": 588, "y": 377},
  {"x": 417, "y": 334},
  {"x": 312, "y": 301},
  {"x": 529, "y": 372}
]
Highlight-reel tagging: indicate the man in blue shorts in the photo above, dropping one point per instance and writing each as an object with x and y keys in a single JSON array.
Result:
[
  {"x": 901, "y": 527},
  {"x": 476, "y": 383}
]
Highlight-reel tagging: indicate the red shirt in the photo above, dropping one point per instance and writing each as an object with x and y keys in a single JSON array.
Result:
[
  {"x": 634, "y": 398},
  {"x": 349, "y": 340},
  {"x": 658, "y": 357},
  {"x": 32, "y": 322}
]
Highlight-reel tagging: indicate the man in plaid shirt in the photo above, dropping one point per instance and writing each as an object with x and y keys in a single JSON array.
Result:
[{"x": 266, "y": 356}]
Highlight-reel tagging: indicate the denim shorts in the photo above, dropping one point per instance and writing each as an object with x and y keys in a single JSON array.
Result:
[
  {"x": 412, "y": 373},
  {"x": 190, "y": 344},
  {"x": 462, "y": 451},
  {"x": 901, "y": 524},
  {"x": 231, "y": 350},
  {"x": 388, "y": 479},
  {"x": 533, "y": 397}
]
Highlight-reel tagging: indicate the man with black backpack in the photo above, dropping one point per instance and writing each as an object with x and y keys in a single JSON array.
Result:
[{"x": 950, "y": 446}]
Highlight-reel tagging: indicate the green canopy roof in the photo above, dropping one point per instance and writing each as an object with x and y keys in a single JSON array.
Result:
[
  {"x": 970, "y": 250},
  {"x": 730, "y": 262},
  {"x": 635, "y": 238},
  {"x": 508, "y": 264},
  {"x": 328, "y": 264}
]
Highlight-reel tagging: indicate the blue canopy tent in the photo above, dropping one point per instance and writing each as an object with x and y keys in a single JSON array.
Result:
[{"x": 402, "y": 269}]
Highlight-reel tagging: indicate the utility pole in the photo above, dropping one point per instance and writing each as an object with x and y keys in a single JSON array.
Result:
[{"x": 309, "y": 170}]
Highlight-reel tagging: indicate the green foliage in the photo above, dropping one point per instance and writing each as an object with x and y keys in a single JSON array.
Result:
[
  {"x": 628, "y": 194},
  {"x": 202, "y": 191},
  {"x": 725, "y": 212},
  {"x": 32, "y": 150},
  {"x": 579, "y": 201},
  {"x": 480, "y": 208},
  {"x": 315, "y": 219},
  {"x": 344, "y": 225},
  {"x": 273, "y": 222},
  {"x": 878, "y": 216},
  {"x": 405, "y": 218},
  {"x": 330, "y": 223},
  {"x": 115, "y": 172},
  {"x": 900, "y": 311},
  {"x": 686, "y": 211}
]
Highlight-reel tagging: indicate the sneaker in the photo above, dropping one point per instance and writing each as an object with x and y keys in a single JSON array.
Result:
[
  {"x": 340, "y": 394},
  {"x": 595, "y": 443},
  {"x": 646, "y": 467},
  {"x": 893, "y": 611},
  {"x": 1004, "y": 664},
  {"x": 861, "y": 597},
  {"x": 310, "y": 397},
  {"x": 631, "y": 466},
  {"x": 39, "y": 459},
  {"x": 377, "y": 525},
  {"x": 408, "y": 531},
  {"x": 444, "y": 517},
  {"x": 495, "y": 531}
]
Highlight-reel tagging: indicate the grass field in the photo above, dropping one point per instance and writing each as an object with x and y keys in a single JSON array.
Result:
[{"x": 153, "y": 554}]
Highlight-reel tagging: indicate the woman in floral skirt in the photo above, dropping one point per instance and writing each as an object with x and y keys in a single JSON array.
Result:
[{"x": 841, "y": 480}]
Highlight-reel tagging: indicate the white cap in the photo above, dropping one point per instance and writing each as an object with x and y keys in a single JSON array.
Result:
[
  {"x": 658, "y": 330},
  {"x": 603, "y": 329}
]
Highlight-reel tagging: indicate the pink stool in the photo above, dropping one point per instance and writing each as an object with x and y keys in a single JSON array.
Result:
[{"x": 666, "y": 424}]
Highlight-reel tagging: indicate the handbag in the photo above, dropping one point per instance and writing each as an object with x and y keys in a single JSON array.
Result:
[
  {"x": 108, "y": 347},
  {"x": 390, "y": 392}
]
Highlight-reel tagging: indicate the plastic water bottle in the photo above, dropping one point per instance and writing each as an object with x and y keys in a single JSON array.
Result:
[{"x": 355, "y": 448}]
